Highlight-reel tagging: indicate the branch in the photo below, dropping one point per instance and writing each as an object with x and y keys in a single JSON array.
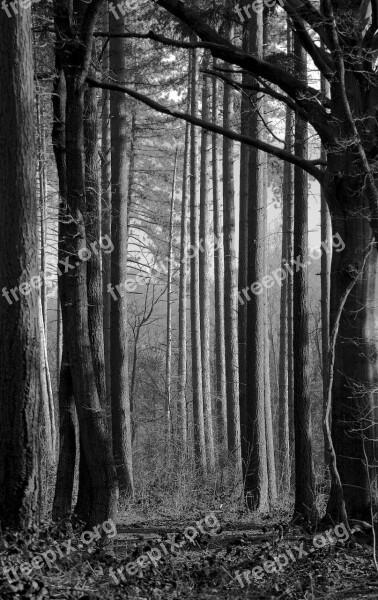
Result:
[
  {"x": 310, "y": 166},
  {"x": 309, "y": 98}
]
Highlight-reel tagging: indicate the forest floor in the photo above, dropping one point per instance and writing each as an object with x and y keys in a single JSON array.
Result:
[{"x": 181, "y": 559}]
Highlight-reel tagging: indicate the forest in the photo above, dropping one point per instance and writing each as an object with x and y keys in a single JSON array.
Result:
[{"x": 188, "y": 299}]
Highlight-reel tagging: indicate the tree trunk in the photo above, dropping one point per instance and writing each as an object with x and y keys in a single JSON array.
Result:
[
  {"x": 106, "y": 175},
  {"x": 230, "y": 285},
  {"x": 199, "y": 430},
  {"x": 256, "y": 478},
  {"x": 204, "y": 268},
  {"x": 168, "y": 360},
  {"x": 19, "y": 350},
  {"x": 219, "y": 333},
  {"x": 304, "y": 467},
  {"x": 287, "y": 193},
  {"x": 121, "y": 418},
  {"x": 245, "y": 122},
  {"x": 92, "y": 424},
  {"x": 182, "y": 369}
]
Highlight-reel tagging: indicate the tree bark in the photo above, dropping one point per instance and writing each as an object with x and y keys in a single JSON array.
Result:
[
  {"x": 230, "y": 285},
  {"x": 121, "y": 417},
  {"x": 199, "y": 429},
  {"x": 304, "y": 468},
  {"x": 204, "y": 269},
  {"x": 219, "y": 333},
  {"x": 20, "y": 349},
  {"x": 256, "y": 477}
]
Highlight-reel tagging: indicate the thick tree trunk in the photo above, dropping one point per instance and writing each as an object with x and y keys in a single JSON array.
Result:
[
  {"x": 304, "y": 467},
  {"x": 219, "y": 335},
  {"x": 230, "y": 285},
  {"x": 20, "y": 399},
  {"x": 106, "y": 175},
  {"x": 256, "y": 478},
  {"x": 204, "y": 269},
  {"x": 199, "y": 430},
  {"x": 121, "y": 418},
  {"x": 284, "y": 445}
]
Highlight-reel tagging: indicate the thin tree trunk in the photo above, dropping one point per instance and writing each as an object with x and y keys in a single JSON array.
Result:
[
  {"x": 245, "y": 118},
  {"x": 219, "y": 333},
  {"x": 182, "y": 369},
  {"x": 205, "y": 268},
  {"x": 168, "y": 360},
  {"x": 304, "y": 468},
  {"x": 325, "y": 279},
  {"x": 199, "y": 429},
  {"x": 230, "y": 284},
  {"x": 121, "y": 418},
  {"x": 20, "y": 348},
  {"x": 42, "y": 202}
]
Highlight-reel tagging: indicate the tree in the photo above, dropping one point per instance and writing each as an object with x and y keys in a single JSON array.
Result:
[
  {"x": 204, "y": 268},
  {"x": 121, "y": 414},
  {"x": 341, "y": 122},
  {"x": 19, "y": 350},
  {"x": 199, "y": 430},
  {"x": 304, "y": 468},
  {"x": 94, "y": 439}
]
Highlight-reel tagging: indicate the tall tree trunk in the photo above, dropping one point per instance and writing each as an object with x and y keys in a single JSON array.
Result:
[
  {"x": 168, "y": 360},
  {"x": 256, "y": 478},
  {"x": 62, "y": 503},
  {"x": 92, "y": 424},
  {"x": 121, "y": 418},
  {"x": 285, "y": 306},
  {"x": 245, "y": 121},
  {"x": 106, "y": 175},
  {"x": 304, "y": 467},
  {"x": 205, "y": 268},
  {"x": 19, "y": 350},
  {"x": 42, "y": 184},
  {"x": 184, "y": 241},
  {"x": 325, "y": 278},
  {"x": 231, "y": 282},
  {"x": 219, "y": 333},
  {"x": 199, "y": 430}
]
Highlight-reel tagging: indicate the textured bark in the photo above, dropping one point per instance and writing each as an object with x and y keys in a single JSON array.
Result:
[
  {"x": 106, "y": 174},
  {"x": 304, "y": 467},
  {"x": 230, "y": 284},
  {"x": 245, "y": 118},
  {"x": 287, "y": 199},
  {"x": 95, "y": 442},
  {"x": 219, "y": 334},
  {"x": 325, "y": 279},
  {"x": 204, "y": 269},
  {"x": 199, "y": 429},
  {"x": 93, "y": 233},
  {"x": 19, "y": 350},
  {"x": 256, "y": 476},
  {"x": 121, "y": 417},
  {"x": 182, "y": 369}
]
